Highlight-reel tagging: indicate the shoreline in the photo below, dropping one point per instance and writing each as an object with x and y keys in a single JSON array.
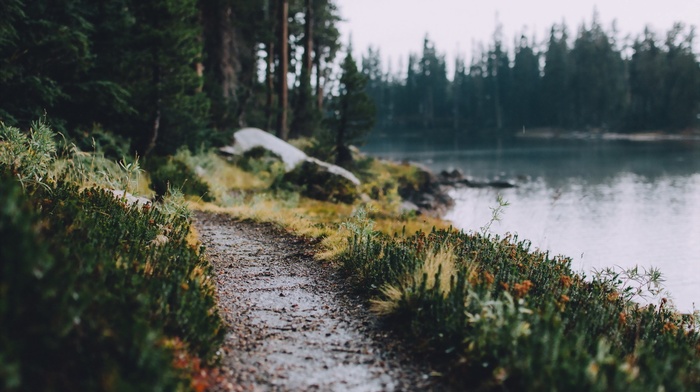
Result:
[{"x": 650, "y": 136}]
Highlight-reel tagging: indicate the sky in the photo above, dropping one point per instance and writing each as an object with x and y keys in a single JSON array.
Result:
[{"x": 398, "y": 27}]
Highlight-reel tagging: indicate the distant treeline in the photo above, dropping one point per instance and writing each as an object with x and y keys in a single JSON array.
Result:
[
  {"x": 599, "y": 83},
  {"x": 166, "y": 73}
]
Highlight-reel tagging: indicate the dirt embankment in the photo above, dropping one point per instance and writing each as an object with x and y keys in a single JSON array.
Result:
[{"x": 294, "y": 325}]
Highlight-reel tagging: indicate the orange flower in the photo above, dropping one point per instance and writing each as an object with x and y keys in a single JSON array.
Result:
[
  {"x": 670, "y": 327},
  {"x": 564, "y": 298},
  {"x": 622, "y": 319},
  {"x": 488, "y": 278},
  {"x": 521, "y": 289},
  {"x": 565, "y": 280}
]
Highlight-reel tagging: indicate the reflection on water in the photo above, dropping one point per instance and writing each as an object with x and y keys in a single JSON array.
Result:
[{"x": 600, "y": 203}]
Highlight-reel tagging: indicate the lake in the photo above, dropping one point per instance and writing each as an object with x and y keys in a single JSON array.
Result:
[{"x": 602, "y": 203}]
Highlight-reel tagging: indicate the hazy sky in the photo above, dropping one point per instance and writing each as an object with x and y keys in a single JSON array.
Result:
[{"x": 398, "y": 27}]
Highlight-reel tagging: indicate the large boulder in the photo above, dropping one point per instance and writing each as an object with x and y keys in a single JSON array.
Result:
[
  {"x": 323, "y": 181},
  {"x": 248, "y": 139},
  {"x": 319, "y": 180}
]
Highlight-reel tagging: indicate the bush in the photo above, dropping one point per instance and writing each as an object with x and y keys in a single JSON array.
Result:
[
  {"x": 507, "y": 318},
  {"x": 93, "y": 291},
  {"x": 95, "y": 294},
  {"x": 320, "y": 183},
  {"x": 171, "y": 172}
]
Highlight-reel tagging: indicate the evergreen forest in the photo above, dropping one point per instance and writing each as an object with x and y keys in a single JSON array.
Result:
[
  {"x": 593, "y": 81},
  {"x": 158, "y": 75},
  {"x": 105, "y": 284}
]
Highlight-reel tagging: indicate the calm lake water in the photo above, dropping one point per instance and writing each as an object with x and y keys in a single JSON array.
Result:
[{"x": 602, "y": 203}]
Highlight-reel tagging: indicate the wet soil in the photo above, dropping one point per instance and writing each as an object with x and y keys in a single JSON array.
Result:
[{"x": 294, "y": 324}]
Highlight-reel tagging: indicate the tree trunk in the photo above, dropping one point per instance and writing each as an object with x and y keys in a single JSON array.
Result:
[
  {"x": 155, "y": 80},
  {"x": 270, "y": 84},
  {"x": 309, "y": 41},
  {"x": 222, "y": 64},
  {"x": 303, "y": 122},
  {"x": 269, "y": 66},
  {"x": 343, "y": 156},
  {"x": 319, "y": 86},
  {"x": 282, "y": 127}
]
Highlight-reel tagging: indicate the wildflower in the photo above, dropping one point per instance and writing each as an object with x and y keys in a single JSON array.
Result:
[
  {"x": 670, "y": 327},
  {"x": 592, "y": 370},
  {"x": 564, "y": 298},
  {"x": 504, "y": 286},
  {"x": 565, "y": 280},
  {"x": 488, "y": 277},
  {"x": 521, "y": 289},
  {"x": 622, "y": 318},
  {"x": 612, "y": 297}
]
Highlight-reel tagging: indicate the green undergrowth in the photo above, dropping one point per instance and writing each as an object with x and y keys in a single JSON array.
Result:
[
  {"x": 500, "y": 316},
  {"x": 95, "y": 293}
]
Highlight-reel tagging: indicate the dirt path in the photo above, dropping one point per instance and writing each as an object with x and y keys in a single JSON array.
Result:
[{"x": 294, "y": 326}]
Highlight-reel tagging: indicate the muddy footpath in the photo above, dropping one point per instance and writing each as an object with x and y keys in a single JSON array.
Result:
[{"x": 293, "y": 323}]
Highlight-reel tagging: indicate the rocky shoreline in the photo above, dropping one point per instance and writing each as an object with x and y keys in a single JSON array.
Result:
[{"x": 432, "y": 197}]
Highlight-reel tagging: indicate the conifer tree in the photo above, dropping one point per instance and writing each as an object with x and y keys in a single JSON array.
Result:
[
  {"x": 556, "y": 91},
  {"x": 524, "y": 97},
  {"x": 352, "y": 110},
  {"x": 306, "y": 115}
]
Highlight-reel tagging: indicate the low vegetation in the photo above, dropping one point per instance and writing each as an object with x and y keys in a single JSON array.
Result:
[
  {"x": 103, "y": 294},
  {"x": 97, "y": 293},
  {"x": 501, "y": 316}
]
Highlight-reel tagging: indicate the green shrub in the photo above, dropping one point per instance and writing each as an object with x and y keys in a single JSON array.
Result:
[
  {"x": 508, "y": 318},
  {"x": 27, "y": 156},
  {"x": 317, "y": 182},
  {"x": 93, "y": 290},
  {"x": 170, "y": 172},
  {"x": 95, "y": 294},
  {"x": 108, "y": 144}
]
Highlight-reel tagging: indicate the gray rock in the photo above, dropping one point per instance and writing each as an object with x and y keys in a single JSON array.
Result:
[{"x": 321, "y": 180}]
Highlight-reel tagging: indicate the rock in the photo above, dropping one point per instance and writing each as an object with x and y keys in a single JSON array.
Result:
[
  {"x": 408, "y": 207},
  {"x": 427, "y": 194},
  {"x": 451, "y": 177},
  {"x": 250, "y": 138},
  {"x": 129, "y": 198},
  {"x": 501, "y": 184},
  {"x": 323, "y": 181},
  {"x": 333, "y": 169},
  {"x": 320, "y": 180}
]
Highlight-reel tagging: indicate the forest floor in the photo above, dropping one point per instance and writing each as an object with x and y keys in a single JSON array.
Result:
[{"x": 294, "y": 324}]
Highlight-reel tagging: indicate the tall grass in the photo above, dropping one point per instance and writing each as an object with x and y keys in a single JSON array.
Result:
[
  {"x": 504, "y": 317},
  {"x": 95, "y": 293}
]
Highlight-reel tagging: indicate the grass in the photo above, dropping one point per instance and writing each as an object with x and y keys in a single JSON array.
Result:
[
  {"x": 500, "y": 316},
  {"x": 493, "y": 313},
  {"x": 490, "y": 311},
  {"x": 96, "y": 293}
]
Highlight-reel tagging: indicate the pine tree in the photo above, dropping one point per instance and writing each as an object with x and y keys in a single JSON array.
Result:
[
  {"x": 306, "y": 116},
  {"x": 556, "y": 98},
  {"x": 598, "y": 78},
  {"x": 526, "y": 86},
  {"x": 45, "y": 62},
  {"x": 682, "y": 80},
  {"x": 352, "y": 111},
  {"x": 647, "y": 70}
]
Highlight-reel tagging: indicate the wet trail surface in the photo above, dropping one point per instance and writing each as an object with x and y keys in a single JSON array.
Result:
[{"x": 294, "y": 325}]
